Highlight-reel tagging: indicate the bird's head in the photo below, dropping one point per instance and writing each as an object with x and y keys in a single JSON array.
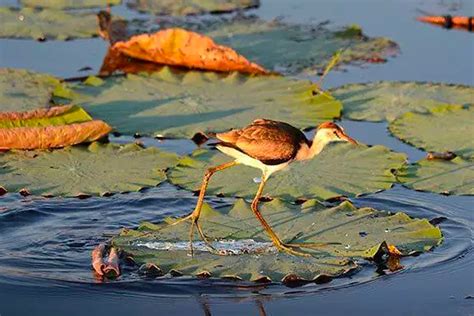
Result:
[{"x": 328, "y": 132}]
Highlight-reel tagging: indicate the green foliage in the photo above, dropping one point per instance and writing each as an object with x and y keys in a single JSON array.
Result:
[
  {"x": 443, "y": 128},
  {"x": 440, "y": 176},
  {"x": 94, "y": 170},
  {"x": 386, "y": 100}
]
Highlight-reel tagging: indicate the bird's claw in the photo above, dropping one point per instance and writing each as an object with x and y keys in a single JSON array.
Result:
[{"x": 194, "y": 223}]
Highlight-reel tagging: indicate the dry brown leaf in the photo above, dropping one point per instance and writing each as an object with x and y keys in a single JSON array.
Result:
[
  {"x": 178, "y": 47},
  {"x": 52, "y": 136},
  {"x": 38, "y": 113}
]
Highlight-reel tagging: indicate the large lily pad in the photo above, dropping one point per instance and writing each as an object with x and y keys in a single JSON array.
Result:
[
  {"x": 448, "y": 177},
  {"x": 443, "y": 128},
  {"x": 353, "y": 233},
  {"x": 288, "y": 48},
  {"x": 46, "y": 24},
  {"x": 68, "y": 4},
  {"x": 22, "y": 90},
  {"x": 190, "y": 7},
  {"x": 76, "y": 171},
  {"x": 181, "y": 104},
  {"x": 340, "y": 169},
  {"x": 388, "y": 100}
]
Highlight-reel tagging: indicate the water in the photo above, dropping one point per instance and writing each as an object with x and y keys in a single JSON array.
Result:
[{"x": 46, "y": 243}]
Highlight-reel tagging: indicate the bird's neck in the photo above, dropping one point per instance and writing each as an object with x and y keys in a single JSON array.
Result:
[
  {"x": 313, "y": 149},
  {"x": 317, "y": 146}
]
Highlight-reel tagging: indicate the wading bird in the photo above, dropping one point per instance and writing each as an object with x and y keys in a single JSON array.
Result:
[{"x": 269, "y": 146}]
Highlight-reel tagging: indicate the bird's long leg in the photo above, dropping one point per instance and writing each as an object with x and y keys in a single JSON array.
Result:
[
  {"x": 194, "y": 216},
  {"x": 276, "y": 240}
]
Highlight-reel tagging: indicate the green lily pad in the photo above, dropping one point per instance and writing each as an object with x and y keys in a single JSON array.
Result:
[
  {"x": 180, "y": 104},
  {"x": 351, "y": 233},
  {"x": 340, "y": 169},
  {"x": 443, "y": 128},
  {"x": 448, "y": 177},
  {"x": 190, "y": 7},
  {"x": 46, "y": 24},
  {"x": 23, "y": 90},
  {"x": 76, "y": 171},
  {"x": 386, "y": 100},
  {"x": 288, "y": 48},
  {"x": 68, "y": 4}
]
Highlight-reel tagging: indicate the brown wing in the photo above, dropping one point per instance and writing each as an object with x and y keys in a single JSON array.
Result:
[{"x": 271, "y": 142}]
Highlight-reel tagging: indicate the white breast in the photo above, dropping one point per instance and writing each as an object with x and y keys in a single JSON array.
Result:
[{"x": 242, "y": 158}]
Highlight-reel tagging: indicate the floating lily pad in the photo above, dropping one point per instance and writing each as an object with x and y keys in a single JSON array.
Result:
[
  {"x": 388, "y": 100},
  {"x": 340, "y": 169},
  {"x": 94, "y": 170},
  {"x": 22, "y": 90},
  {"x": 448, "y": 177},
  {"x": 181, "y": 104},
  {"x": 251, "y": 255},
  {"x": 191, "y": 7},
  {"x": 68, "y": 4},
  {"x": 288, "y": 48},
  {"x": 46, "y": 24},
  {"x": 443, "y": 128}
]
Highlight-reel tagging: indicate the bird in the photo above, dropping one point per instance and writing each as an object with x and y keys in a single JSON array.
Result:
[{"x": 270, "y": 146}]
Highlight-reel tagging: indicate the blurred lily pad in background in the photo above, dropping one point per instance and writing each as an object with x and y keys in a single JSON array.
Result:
[
  {"x": 46, "y": 24},
  {"x": 23, "y": 90},
  {"x": 79, "y": 171},
  {"x": 351, "y": 233},
  {"x": 387, "y": 100},
  {"x": 190, "y": 7},
  {"x": 179, "y": 104},
  {"x": 68, "y": 4},
  {"x": 339, "y": 170}
]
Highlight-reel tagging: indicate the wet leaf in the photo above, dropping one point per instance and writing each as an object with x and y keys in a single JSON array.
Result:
[
  {"x": 81, "y": 171},
  {"x": 190, "y": 7},
  {"x": 49, "y": 128},
  {"x": 340, "y": 169},
  {"x": 443, "y": 128},
  {"x": 68, "y": 4},
  {"x": 22, "y": 90},
  {"x": 289, "y": 48},
  {"x": 448, "y": 177},
  {"x": 178, "y": 47},
  {"x": 236, "y": 230},
  {"x": 115, "y": 61},
  {"x": 387, "y": 100},
  {"x": 46, "y": 24},
  {"x": 180, "y": 104}
]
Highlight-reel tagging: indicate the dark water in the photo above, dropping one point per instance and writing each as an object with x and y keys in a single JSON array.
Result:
[{"x": 46, "y": 243}]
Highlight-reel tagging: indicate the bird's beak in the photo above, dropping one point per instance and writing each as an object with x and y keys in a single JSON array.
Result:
[{"x": 343, "y": 136}]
